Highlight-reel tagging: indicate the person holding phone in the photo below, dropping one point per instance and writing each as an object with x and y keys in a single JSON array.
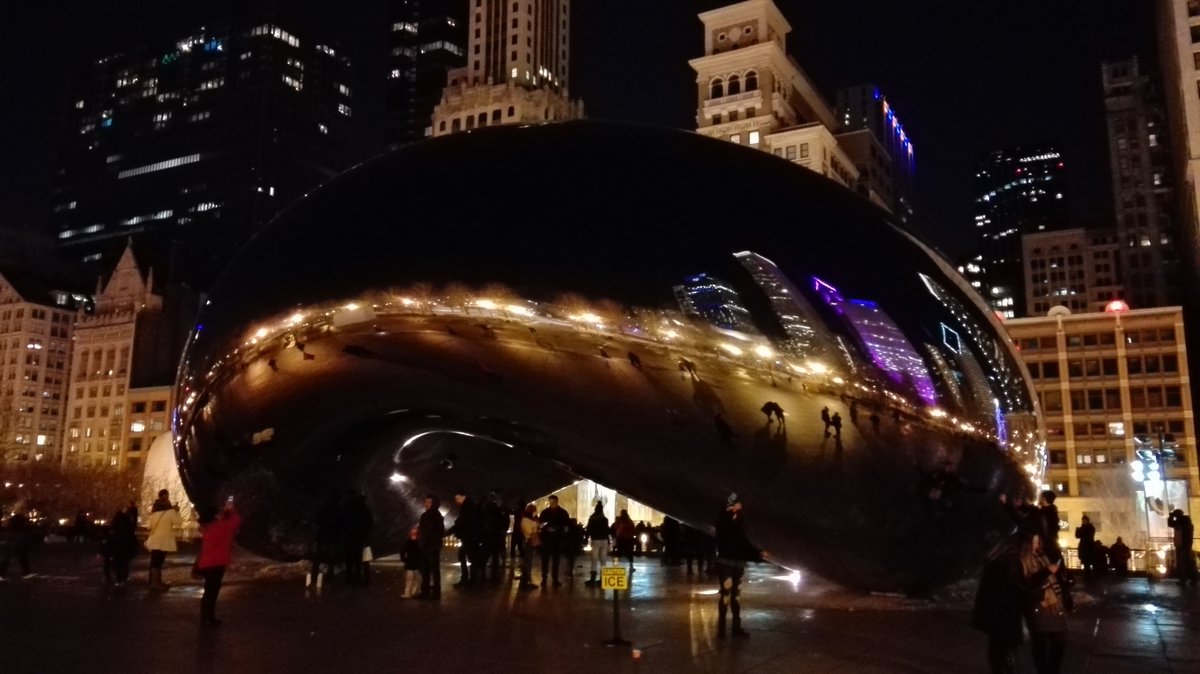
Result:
[{"x": 216, "y": 549}]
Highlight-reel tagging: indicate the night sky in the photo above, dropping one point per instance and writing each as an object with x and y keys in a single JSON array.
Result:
[{"x": 964, "y": 77}]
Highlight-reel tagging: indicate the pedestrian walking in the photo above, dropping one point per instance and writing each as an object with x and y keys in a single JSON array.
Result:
[
  {"x": 826, "y": 419},
  {"x": 734, "y": 550},
  {"x": 216, "y": 550},
  {"x": 164, "y": 518},
  {"x": 836, "y": 422}
]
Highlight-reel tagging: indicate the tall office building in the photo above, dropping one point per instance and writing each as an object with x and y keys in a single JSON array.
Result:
[
  {"x": 1018, "y": 191},
  {"x": 1179, "y": 57},
  {"x": 189, "y": 146},
  {"x": 516, "y": 71},
  {"x": 1112, "y": 385},
  {"x": 427, "y": 39},
  {"x": 870, "y": 131},
  {"x": 1144, "y": 198}
]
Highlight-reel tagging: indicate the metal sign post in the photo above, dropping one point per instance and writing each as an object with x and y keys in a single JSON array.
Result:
[{"x": 615, "y": 578}]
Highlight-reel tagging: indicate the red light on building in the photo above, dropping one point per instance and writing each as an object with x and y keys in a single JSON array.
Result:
[{"x": 1116, "y": 307}]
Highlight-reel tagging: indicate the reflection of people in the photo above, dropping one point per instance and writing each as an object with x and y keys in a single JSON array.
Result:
[{"x": 772, "y": 408}]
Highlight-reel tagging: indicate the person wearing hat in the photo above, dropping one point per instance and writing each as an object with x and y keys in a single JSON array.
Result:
[
  {"x": 734, "y": 550},
  {"x": 164, "y": 520}
]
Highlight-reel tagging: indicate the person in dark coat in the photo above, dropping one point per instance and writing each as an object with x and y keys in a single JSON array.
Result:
[
  {"x": 1000, "y": 605},
  {"x": 466, "y": 529},
  {"x": 410, "y": 555},
  {"x": 624, "y": 533},
  {"x": 1185, "y": 558},
  {"x": 431, "y": 529},
  {"x": 120, "y": 544},
  {"x": 357, "y": 523},
  {"x": 734, "y": 550},
  {"x": 1086, "y": 533},
  {"x": 1049, "y": 513},
  {"x": 1119, "y": 554},
  {"x": 493, "y": 527},
  {"x": 15, "y": 542},
  {"x": 328, "y": 542},
  {"x": 554, "y": 521}
]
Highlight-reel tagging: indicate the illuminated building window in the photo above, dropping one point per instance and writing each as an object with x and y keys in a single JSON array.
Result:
[{"x": 754, "y": 138}]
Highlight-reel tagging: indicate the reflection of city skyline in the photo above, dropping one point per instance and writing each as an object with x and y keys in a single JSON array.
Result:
[
  {"x": 795, "y": 314},
  {"x": 713, "y": 300},
  {"x": 882, "y": 339}
]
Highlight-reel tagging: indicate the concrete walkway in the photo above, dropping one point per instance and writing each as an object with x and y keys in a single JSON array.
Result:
[{"x": 64, "y": 621}]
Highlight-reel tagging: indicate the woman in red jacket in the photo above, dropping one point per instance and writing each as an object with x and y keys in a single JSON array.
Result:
[{"x": 215, "y": 549}]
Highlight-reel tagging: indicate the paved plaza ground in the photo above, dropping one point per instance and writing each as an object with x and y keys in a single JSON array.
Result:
[{"x": 64, "y": 621}]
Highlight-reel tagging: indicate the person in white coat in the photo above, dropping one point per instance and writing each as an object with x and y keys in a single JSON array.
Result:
[{"x": 164, "y": 518}]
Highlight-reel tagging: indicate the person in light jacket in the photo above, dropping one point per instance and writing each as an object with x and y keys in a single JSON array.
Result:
[
  {"x": 216, "y": 549},
  {"x": 164, "y": 517}
]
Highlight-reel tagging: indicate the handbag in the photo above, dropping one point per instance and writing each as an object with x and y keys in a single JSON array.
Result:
[{"x": 367, "y": 556}]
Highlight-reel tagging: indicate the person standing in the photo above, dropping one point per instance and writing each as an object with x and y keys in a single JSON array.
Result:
[
  {"x": 836, "y": 422},
  {"x": 528, "y": 528},
  {"x": 328, "y": 542},
  {"x": 1086, "y": 533},
  {"x": 431, "y": 529},
  {"x": 164, "y": 518},
  {"x": 826, "y": 419},
  {"x": 410, "y": 554},
  {"x": 1000, "y": 605},
  {"x": 1049, "y": 514},
  {"x": 15, "y": 542},
  {"x": 1120, "y": 554},
  {"x": 554, "y": 522},
  {"x": 120, "y": 543},
  {"x": 216, "y": 550},
  {"x": 466, "y": 529},
  {"x": 1185, "y": 558},
  {"x": 734, "y": 550},
  {"x": 356, "y": 531},
  {"x": 1045, "y": 608},
  {"x": 597, "y": 531},
  {"x": 625, "y": 533}
]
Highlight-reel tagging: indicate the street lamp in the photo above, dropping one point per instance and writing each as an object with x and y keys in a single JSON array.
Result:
[{"x": 1150, "y": 468}]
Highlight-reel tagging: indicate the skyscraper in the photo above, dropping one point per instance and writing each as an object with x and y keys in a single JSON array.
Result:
[
  {"x": 715, "y": 301},
  {"x": 1142, "y": 183},
  {"x": 427, "y": 39},
  {"x": 886, "y": 161},
  {"x": 190, "y": 145},
  {"x": 1178, "y": 34},
  {"x": 516, "y": 71},
  {"x": 1018, "y": 191}
]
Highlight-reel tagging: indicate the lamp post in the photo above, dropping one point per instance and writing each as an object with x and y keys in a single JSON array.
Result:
[{"x": 1149, "y": 469}]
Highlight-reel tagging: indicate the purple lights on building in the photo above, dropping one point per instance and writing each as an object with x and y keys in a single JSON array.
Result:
[{"x": 882, "y": 339}]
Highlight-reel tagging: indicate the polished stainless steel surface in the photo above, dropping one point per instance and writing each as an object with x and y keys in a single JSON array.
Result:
[{"x": 517, "y": 308}]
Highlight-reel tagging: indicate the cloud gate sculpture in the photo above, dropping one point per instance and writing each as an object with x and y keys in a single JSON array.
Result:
[{"x": 517, "y": 308}]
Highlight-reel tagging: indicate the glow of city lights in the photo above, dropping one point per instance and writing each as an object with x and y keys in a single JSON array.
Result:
[
  {"x": 670, "y": 334},
  {"x": 839, "y": 381},
  {"x": 731, "y": 349},
  {"x": 351, "y": 307},
  {"x": 262, "y": 332},
  {"x": 407, "y": 302},
  {"x": 937, "y": 412},
  {"x": 763, "y": 352},
  {"x": 397, "y": 477},
  {"x": 296, "y": 318},
  {"x": 519, "y": 310},
  {"x": 588, "y": 317},
  {"x": 486, "y": 304},
  {"x": 817, "y": 368}
]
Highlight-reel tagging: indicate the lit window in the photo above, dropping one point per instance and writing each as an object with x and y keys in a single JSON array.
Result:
[
  {"x": 754, "y": 138},
  {"x": 322, "y": 128},
  {"x": 736, "y": 138},
  {"x": 344, "y": 109}
]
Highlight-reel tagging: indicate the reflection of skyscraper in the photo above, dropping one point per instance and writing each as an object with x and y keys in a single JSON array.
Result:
[
  {"x": 713, "y": 300},
  {"x": 882, "y": 339},
  {"x": 794, "y": 312}
]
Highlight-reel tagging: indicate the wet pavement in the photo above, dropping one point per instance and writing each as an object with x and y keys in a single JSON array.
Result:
[{"x": 63, "y": 620}]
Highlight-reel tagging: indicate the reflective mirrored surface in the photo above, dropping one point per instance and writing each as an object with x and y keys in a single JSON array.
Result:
[{"x": 675, "y": 317}]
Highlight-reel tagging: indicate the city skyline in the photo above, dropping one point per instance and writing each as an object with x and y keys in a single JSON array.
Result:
[{"x": 1032, "y": 75}]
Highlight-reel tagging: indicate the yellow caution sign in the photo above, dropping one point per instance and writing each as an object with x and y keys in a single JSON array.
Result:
[{"x": 614, "y": 578}]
